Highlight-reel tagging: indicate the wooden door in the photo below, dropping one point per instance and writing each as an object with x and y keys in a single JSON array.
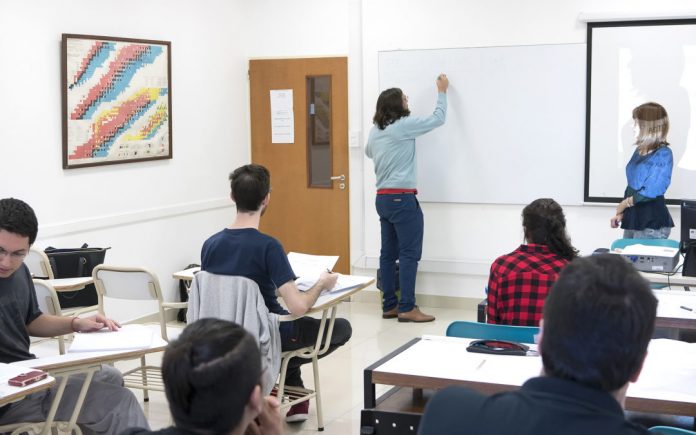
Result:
[{"x": 308, "y": 211}]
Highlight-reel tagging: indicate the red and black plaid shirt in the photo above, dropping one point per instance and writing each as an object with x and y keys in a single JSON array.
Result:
[{"x": 519, "y": 283}]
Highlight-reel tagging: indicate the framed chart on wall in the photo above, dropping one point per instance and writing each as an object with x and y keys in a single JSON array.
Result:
[{"x": 116, "y": 100}]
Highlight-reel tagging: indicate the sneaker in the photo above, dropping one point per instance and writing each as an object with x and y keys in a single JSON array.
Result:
[{"x": 298, "y": 412}]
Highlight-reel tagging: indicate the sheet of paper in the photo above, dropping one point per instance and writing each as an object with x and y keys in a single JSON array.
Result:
[
  {"x": 308, "y": 267},
  {"x": 282, "y": 116},
  {"x": 129, "y": 337}
]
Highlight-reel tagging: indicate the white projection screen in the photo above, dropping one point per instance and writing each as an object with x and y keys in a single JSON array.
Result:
[{"x": 630, "y": 63}]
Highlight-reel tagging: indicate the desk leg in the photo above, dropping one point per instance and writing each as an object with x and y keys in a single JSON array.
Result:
[
  {"x": 54, "y": 405},
  {"x": 80, "y": 401},
  {"x": 368, "y": 390}
]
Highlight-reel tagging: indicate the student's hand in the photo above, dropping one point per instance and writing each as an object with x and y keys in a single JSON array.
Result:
[
  {"x": 268, "y": 421},
  {"x": 328, "y": 280},
  {"x": 95, "y": 323},
  {"x": 616, "y": 220},
  {"x": 442, "y": 83}
]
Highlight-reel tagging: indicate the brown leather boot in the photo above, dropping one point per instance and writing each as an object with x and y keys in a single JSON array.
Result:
[
  {"x": 416, "y": 316},
  {"x": 390, "y": 314}
]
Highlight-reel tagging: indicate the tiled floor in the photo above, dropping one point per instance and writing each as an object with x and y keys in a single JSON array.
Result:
[{"x": 341, "y": 372}]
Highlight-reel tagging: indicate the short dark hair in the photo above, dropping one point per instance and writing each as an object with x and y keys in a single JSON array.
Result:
[
  {"x": 209, "y": 373},
  {"x": 544, "y": 223},
  {"x": 598, "y": 320},
  {"x": 249, "y": 185},
  {"x": 16, "y": 216},
  {"x": 390, "y": 108}
]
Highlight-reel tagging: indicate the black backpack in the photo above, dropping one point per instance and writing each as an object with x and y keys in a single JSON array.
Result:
[{"x": 184, "y": 286}]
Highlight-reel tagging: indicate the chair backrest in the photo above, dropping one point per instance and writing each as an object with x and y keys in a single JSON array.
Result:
[
  {"x": 622, "y": 243},
  {"x": 47, "y": 297},
  {"x": 667, "y": 430},
  {"x": 520, "y": 334},
  {"x": 38, "y": 264},
  {"x": 130, "y": 283},
  {"x": 126, "y": 283}
]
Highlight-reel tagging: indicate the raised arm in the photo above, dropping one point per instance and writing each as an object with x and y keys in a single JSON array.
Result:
[{"x": 415, "y": 126}]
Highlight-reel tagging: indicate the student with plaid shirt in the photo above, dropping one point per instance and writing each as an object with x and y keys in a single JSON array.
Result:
[{"x": 520, "y": 281}]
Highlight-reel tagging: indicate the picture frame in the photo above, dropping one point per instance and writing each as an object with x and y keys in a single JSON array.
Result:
[{"x": 116, "y": 100}]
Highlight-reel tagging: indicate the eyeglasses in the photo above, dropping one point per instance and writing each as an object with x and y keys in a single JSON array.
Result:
[{"x": 16, "y": 256}]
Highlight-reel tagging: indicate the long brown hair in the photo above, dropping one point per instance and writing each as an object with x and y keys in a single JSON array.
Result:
[
  {"x": 390, "y": 108},
  {"x": 544, "y": 223}
]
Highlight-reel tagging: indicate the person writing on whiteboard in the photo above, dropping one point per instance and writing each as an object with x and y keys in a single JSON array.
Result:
[
  {"x": 520, "y": 281},
  {"x": 643, "y": 213},
  {"x": 392, "y": 147}
]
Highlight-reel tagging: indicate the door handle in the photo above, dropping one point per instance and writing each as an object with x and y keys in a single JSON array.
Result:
[{"x": 342, "y": 179}]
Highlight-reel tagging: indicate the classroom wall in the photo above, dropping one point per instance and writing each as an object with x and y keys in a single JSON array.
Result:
[
  {"x": 461, "y": 240},
  {"x": 157, "y": 214},
  {"x": 152, "y": 214}
]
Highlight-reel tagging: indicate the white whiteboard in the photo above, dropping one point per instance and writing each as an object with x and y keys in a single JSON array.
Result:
[
  {"x": 633, "y": 64},
  {"x": 515, "y": 128}
]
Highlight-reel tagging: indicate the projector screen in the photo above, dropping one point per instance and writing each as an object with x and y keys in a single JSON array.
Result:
[{"x": 630, "y": 63}]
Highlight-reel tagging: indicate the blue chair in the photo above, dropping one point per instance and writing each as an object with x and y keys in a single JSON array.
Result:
[
  {"x": 666, "y": 430},
  {"x": 622, "y": 243},
  {"x": 520, "y": 334}
]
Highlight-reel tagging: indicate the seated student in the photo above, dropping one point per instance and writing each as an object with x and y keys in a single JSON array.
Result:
[
  {"x": 598, "y": 320},
  {"x": 109, "y": 408},
  {"x": 212, "y": 376},
  {"x": 519, "y": 281},
  {"x": 243, "y": 250}
]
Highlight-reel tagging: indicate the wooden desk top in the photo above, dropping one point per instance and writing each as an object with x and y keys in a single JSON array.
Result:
[
  {"x": 667, "y": 383},
  {"x": 9, "y": 394}
]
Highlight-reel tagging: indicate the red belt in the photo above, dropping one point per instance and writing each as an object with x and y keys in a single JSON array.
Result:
[{"x": 396, "y": 191}]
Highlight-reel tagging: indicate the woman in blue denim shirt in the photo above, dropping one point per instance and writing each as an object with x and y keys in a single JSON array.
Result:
[{"x": 643, "y": 213}]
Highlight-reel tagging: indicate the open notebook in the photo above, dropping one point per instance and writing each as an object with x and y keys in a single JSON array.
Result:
[{"x": 129, "y": 337}]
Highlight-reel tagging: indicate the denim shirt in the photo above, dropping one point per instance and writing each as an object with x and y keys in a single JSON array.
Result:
[{"x": 649, "y": 176}]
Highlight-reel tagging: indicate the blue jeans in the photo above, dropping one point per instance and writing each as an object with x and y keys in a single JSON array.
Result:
[{"x": 401, "y": 220}]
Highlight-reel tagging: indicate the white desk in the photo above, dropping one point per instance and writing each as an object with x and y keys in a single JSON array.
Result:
[
  {"x": 667, "y": 383},
  {"x": 669, "y": 311},
  {"x": 70, "y": 284},
  {"x": 86, "y": 363},
  {"x": 675, "y": 281},
  {"x": 9, "y": 394}
]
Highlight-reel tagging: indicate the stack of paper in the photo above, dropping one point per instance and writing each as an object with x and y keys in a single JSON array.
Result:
[{"x": 129, "y": 337}]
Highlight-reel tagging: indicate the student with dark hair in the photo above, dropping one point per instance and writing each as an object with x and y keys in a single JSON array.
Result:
[
  {"x": 108, "y": 408},
  {"x": 392, "y": 147},
  {"x": 242, "y": 250},
  {"x": 643, "y": 213},
  {"x": 598, "y": 320},
  {"x": 519, "y": 281},
  {"x": 212, "y": 376}
]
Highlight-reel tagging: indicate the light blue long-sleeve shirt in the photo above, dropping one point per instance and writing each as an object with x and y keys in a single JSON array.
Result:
[{"x": 393, "y": 149}]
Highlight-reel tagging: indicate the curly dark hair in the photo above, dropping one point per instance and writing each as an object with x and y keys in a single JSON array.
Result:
[
  {"x": 544, "y": 223},
  {"x": 16, "y": 216},
  {"x": 209, "y": 373},
  {"x": 390, "y": 108}
]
